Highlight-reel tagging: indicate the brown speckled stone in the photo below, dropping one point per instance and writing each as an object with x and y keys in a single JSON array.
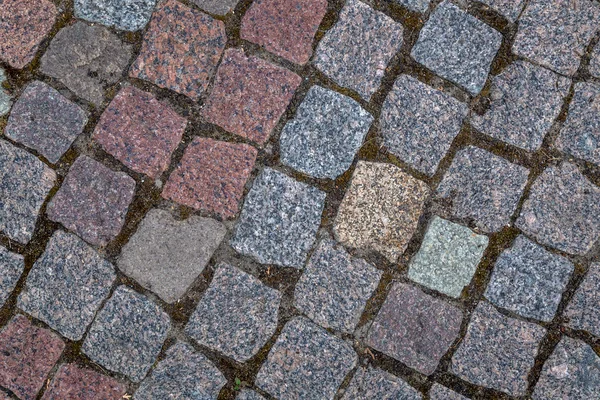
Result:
[
  {"x": 23, "y": 25},
  {"x": 74, "y": 383},
  {"x": 249, "y": 95},
  {"x": 284, "y": 27},
  {"x": 181, "y": 49},
  {"x": 583, "y": 312},
  {"x": 27, "y": 354},
  {"x": 140, "y": 131},
  {"x": 211, "y": 176}
]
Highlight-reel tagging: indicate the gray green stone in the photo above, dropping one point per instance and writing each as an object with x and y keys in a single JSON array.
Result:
[
  {"x": 11, "y": 268},
  {"x": 129, "y": 15},
  {"x": 5, "y": 98},
  {"x": 415, "y": 5}
]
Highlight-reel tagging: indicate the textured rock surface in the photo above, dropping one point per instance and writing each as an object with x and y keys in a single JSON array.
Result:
[
  {"x": 25, "y": 182},
  {"x": 594, "y": 66},
  {"x": 181, "y": 49},
  {"x": 483, "y": 188},
  {"x": 11, "y": 268},
  {"x": 373, "y": 383},
  {"x": 246, "y": 394},
  {"x": 381, "y": 209},
  {"x": 127, "y": 334},
  {"x": 583, "y": 311},
  {"x": 510, "y": 9},
  {"x": 415, "y": 5},
  {"x": 75, "y": 383},
  {"x": 325, "y": 134},
  {"x": 219, "y": 7},
  {"x": 529, "y": 280},
  {"x": 130, "y": 15},
  {"x": 305, "y": 363},
  {"x": 418, "y": 123},
  {"x": 563, "y": 210},
  {"x": 457, "y": 47},
  {"x": 237, "y": 314},
  {"x": 497, "y": 351},
  {"x": 357, "y": 50},
  {"x": 279, "y": 220},
  {"x": 415, "y": 328},
  {"x": 5, "y": 97},
  {"x": 439, "y": 392}
]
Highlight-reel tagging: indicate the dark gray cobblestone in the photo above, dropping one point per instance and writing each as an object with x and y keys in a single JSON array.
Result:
[
  {"x": 11, "y": 268},
  {"x": 583, "y": 311},
  {"x": 594, "y": 67},
  {"x": 510, "y": 9},
  {"x": 129, "y": 15},
  {"x": 373, "y": 383},
  {"x": 439, "y": 392}
]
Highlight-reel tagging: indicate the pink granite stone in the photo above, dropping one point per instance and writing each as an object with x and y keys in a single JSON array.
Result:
[{"x": 74, "y": 383}]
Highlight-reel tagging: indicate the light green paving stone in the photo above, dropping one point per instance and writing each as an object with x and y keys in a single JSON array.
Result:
[
  {"x": 5, "y": 99},
  {"x": 448, "y": 257}
]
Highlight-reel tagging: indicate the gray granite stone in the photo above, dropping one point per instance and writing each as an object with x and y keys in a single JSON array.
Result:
[
  {"x": 571, "y": 373},
  {"x": 11, "y": 269},
  {"x": 183, "y": 374},
  {"x": 510, "y": 9},
  {"x": 129, "y": 15},
  {"x": 457, "y": 47},
  {"x": 25, "y": 182},
  {"x": 415, "y": 328},
  {"x": 439, "y": 392},
  {"x": 237, "y": 314},
  {"x": 88, "y": 59},
  {"x": 556, "y": 33},
  {"x": 45, "y": 121},
  {"x": 594, "y": 67},
  {"x": 67, "y": 285},
  {"x": 583, "y": 311},
  {"x": 418, "y": 123},
  {"x": 325, "y": 134},
  {"x": 448, "y": 257},
  {"x": 279, "y": 220},
  {"x": 127, "y": 334},
  {"x": 374, "y": 383},
  {"x": 166, "y": 255},
  {"x": 529, "y": 280},
  {"x": 219, "y": 7},
  {"x": 415, "y": 5},
  {"x": 525, "y": 101},
  {"x": 306, "y": 362},
  {"x": 483, "y": 188},
  {"x": 247, "y": 394},
  {"x": 5, "y": 97},
  {"x": 335, "y": 287},
  {"x": 580, "y": 134},
  {"x": 563, "y": 210},
  {"x": 497, "y": 351},
  {"x": 356, "y": 51}
]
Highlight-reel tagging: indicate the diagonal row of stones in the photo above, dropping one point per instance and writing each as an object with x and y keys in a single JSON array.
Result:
[{"x": 74, "y": 291}]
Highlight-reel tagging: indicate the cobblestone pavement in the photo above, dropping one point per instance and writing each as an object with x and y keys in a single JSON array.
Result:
[{"x": 299, "y": 199}]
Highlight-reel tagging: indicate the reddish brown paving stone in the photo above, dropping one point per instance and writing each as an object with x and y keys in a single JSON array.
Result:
[
  {"x": 23, "y": 25},
  {"x": 140, "y": 131},
  {"x": 284, "y": 27},
  {"x": 211, "y": 176},
  {"x": 27, "y": 354},
  {"x": 181, "y": 49},
  {"x": 74, "y": 383},
  {"x": 249, "y": 95}
]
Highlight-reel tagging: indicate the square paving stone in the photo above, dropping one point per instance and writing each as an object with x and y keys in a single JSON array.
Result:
[
  {"x": 284, "y": 27},
  {"x": 88, "y": 59},
  {"x": 237, "y": 314},
  {"x": 11, "y": 269},
  {"x": 418, "y": 123},
  {"x": 27, "y": 354},
  {"x": 279, "y": 220},
  {"x": 356, "y": 51},
  {"x": 556, "y": 33},
  {"x": 497, "y": 351},
  {"x": 415, "y": 328},
  {"x": 183, "y": 374},
  {"x": 580, "y": 134},
  {"x": 306, "y": 362},
  {"x": 211, "y": 176},
  {"x": 25, "y": 23},
  {"x": 325, "y": 134},
  {"x": 373, "y": 383},
  {"x": 510, "y": 9},
  {"x": 219, "y": 7},
  {"x": 448, "y": 257},
  {"x": 67, "y": 285},
  {"x": 246, "y": 394},
  {"x": 335, "y": 287},
  {"x": 439, "y": 392},
  {"x": 563, "y": 210},
  {"x": 75, "y": 383},
  {"x": 483, "y": 188},
  {"x": 594, "y": 67},
  {"x": 166, "y": 256},
  {"x": 44, "y": 120},
  {"x": 381, "y": 209},
  {"x": 25, "y": 182},
  {"x": 181, "y": 49},
  {"x": 529, "y": 280},
  {"x": 140, "y": 131},
  {"x": 249, "y": 95},
  {"x": 130, "y": 15},
  {"x": 415, "y": 5},
  {"x": 5, "y": 97},
  {"x": 127, "y": 334},
  {"x": 457, "y": 46},
  {"x": 583, "y": 311},
  {"x": 571, "y": 373},
  {"x": 92, "y": 201},
  {"x": 525, "y": 101}
]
